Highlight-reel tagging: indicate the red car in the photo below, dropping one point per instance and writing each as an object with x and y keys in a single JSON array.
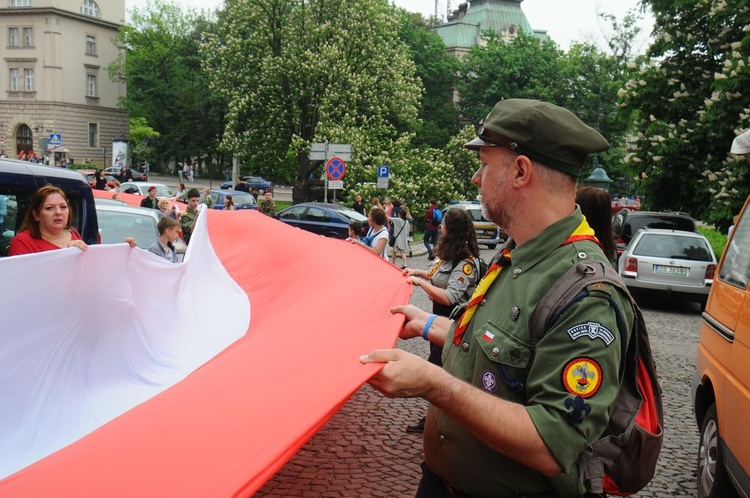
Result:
[
  {"x": 623, "y": 202},
  {"x": 89, "y": 174}
]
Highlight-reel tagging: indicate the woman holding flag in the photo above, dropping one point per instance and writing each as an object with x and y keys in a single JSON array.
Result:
[{"x": 452, "y": 277}]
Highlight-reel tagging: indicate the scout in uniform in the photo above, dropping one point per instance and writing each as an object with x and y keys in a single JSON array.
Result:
[
  {"x": 503, "y": 421},
  {"x": 187, "y": 220}
]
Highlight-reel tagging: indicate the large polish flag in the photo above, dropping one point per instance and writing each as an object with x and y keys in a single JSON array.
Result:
[{"x": 124, "y": 375}]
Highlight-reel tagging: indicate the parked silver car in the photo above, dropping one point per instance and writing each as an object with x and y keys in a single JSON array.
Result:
[
  {"x": 669, "y": 263},
  {"x": 141, "y": 188},
  {"x": 117, "y": 220}
]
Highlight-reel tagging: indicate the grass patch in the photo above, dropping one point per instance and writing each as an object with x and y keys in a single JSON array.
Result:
[
  {"x": 279, "y": 204},
  {"x": 717, "y": 239}
]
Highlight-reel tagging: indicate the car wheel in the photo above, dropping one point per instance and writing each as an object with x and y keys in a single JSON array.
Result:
[
  {"x": 713, "y": 480},
  {"x": 491, "y": 246}
]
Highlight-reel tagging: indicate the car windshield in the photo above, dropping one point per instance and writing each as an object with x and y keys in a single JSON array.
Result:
[
  {"x": 161, "y": 191},
  {"x": 351, "y": 215},
  {"x": 635, "y": 223},
  {"x": 242, "y": 198},
  {"x": 114, "y": 226},
  {"x": 673, "y": 246},
  {"x": 476, "y": 215}
]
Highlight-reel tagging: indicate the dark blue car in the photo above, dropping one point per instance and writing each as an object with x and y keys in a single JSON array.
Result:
[
  {"x": 242, "y": 200},
  {"x": 330, "y": 220},
  {"x": 259, "y": 183}
]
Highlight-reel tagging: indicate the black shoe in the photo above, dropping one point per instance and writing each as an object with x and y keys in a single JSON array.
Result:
[
  {"x": 417, "y": 428},
  {"x": 431, "y": 257}
]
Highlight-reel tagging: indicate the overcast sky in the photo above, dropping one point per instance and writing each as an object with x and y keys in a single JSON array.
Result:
[{"x": 564, "y": 20}]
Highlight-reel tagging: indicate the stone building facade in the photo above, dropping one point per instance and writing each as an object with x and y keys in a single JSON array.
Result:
[{"x": 53, "y": 77}]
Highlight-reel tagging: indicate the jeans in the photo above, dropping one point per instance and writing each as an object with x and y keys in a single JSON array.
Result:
[{"x": 430, "y": 239}]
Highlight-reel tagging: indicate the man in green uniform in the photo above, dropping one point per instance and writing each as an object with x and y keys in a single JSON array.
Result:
[
  {"x": 207, "y": 199},
  {"x": 269, "y": 206},
  {"x": 505, "y": 421},
  {"x": 188, "y": 218}
]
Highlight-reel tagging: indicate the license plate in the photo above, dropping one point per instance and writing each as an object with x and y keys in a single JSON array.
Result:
[{"x": 680, "y": 271}]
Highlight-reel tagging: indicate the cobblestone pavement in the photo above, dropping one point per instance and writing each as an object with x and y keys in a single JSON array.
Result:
[{"x": 364, "y": 451}]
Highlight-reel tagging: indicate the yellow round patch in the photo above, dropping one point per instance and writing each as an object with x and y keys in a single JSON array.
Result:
[
  {"x": 582, "y": 377},
  {"x": 468, "y": 268}
]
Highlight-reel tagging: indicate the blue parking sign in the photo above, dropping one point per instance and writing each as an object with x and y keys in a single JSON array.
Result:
[{"x": 384, "y": 171}]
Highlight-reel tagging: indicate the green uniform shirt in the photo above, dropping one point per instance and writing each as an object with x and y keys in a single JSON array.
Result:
[
  {"x": 579, "y": 356},
  {"x": 187, "y": 219},
  {"x": 268, "y": 207}
]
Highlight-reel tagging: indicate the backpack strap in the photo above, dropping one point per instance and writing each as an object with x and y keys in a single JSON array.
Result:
[{"x": 568, "y": 289}]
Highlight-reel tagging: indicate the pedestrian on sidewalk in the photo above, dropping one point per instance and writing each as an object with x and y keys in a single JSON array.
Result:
[
  {"x": 432, "y": 226},
  {"x": 503, "y": 420},
  {"x": 400, "y": 234}
]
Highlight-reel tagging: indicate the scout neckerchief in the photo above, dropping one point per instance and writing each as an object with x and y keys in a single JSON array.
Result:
[
  {"x": 583, "y": 232},
  {"x": 434, "y": 268}
]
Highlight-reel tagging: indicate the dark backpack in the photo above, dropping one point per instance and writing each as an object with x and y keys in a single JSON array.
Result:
[{"x": 623, "y": 460}]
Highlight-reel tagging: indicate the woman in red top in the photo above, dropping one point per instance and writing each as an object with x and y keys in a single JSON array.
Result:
[{"x": 48, "y": 225}]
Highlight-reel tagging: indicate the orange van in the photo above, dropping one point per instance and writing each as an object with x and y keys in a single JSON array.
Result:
[{"x": 721, "y": 382}]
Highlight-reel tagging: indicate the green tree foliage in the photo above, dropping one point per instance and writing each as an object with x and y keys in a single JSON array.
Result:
[
  {"x": 584, "y": 80},
  {"x": 142, "y": 136},
  {"x": 592, "y": 80},
  {"x": 298, "y": 72},
  {"x": 690, "y": 105},
  {"x": 524, "y": 67},
  {"x": 438, "y": 117},
  {"x": 166, "y": 85}
]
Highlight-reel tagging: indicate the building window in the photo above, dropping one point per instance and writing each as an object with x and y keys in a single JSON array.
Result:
[
  {"x": 28, "y": 37},
  {"x": 15, "y": 84},
  {"x": 93, "y": 135},
  {"x": 12, "y": 37},
  {"x": 90, "y": 85},
  {"x": 19, "y": 3},
  {"x": 90, "y": 45},
  {"x": 28, "y": 78},
  {"x": 90, "y": 8}
]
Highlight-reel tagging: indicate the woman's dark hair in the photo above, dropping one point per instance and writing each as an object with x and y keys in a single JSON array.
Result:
[
  {"x": 460, "y": 239},
  {"x": 30, "y": 223},
  {"x": 378, "y": 216},
  {"x": 596, "y": 206}
]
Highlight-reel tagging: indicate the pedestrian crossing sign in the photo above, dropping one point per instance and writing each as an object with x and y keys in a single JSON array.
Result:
[{"x": 55, "y": 139}]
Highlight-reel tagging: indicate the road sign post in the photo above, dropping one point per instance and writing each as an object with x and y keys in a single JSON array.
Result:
[
  {"x": 335, "y": 172},
  {"x": 383, "y": 173},
  {"x": 323, "y": 151}
]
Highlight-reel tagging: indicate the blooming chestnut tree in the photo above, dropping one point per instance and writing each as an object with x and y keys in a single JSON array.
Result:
[
  {"x": 297, "y": 72},
  {"x": 690, "y": 103}
]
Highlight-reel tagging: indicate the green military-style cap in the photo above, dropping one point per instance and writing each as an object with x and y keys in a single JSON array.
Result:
[{"x": 542, "y": 131}]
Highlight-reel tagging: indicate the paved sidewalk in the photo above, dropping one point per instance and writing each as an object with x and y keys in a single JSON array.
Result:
[{"x": 362, "y": 451}]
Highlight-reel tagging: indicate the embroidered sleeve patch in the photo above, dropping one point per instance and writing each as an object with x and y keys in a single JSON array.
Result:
[
  {"x": 468, "y": 269},
  {"x": 582, "y": 377},
  {"x": 593, "y": 330}
]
